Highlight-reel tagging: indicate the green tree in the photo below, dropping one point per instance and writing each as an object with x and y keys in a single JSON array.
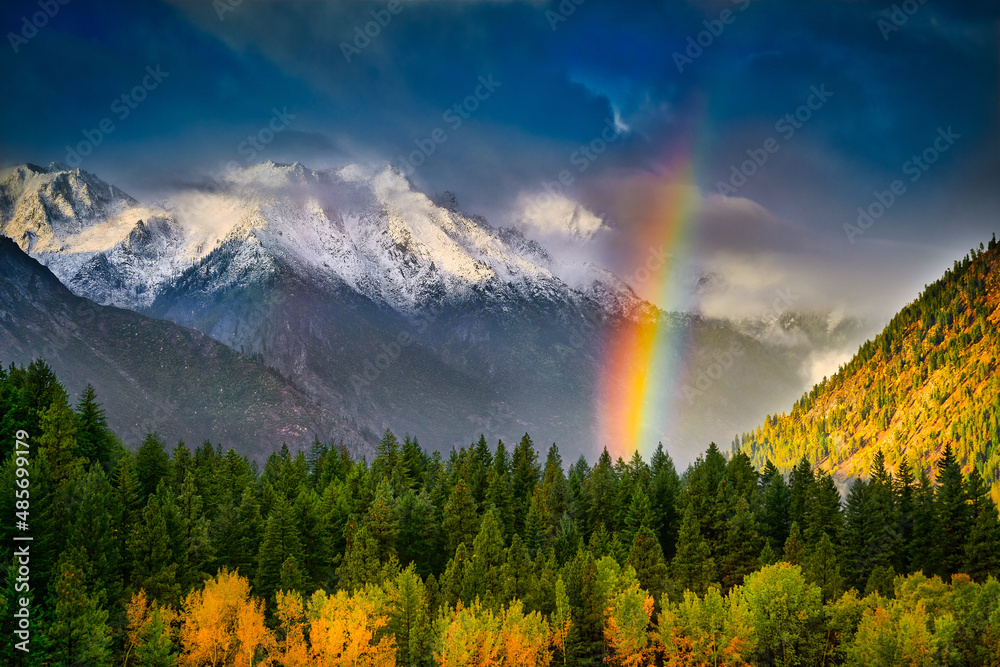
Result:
[
  {"x": 742, "y": 547},
  {"x": 953, "y": 513},
  {"x": 409, "y": 617},
  {"x": 646, "y": 558},
  {"x": 982, "y": 549},
  {"x": 79, "y": 632},
  {"x": 822, "y": 568},
  {"x": 151, "y": 465},
  {"x": 483, "y": 577},
  {"x": 692, "y": 567},
  {"x": 525, "y": 474},
  {"x": 774, "y": 517},
  {"x": 281, "y": 542},
  {"x": 460, "y": 519},
  {"x": 153, "y": 566},
  {"x": 94, "y": 440},
  {"x": 664, "y": 491}
]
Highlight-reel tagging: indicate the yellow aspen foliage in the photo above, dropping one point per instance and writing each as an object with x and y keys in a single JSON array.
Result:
[
  {"x": 344, "y": 630},
  {"x": 223, "y": 626},
  {"x": 896, "y": 634},
  {"x": 626, "y": 627},
  {"x": 293, "y": 649},
  {"x": 703, "y": 631},
  {"x": 524, "y": 638},
  {"x": 476, "y": 637}
]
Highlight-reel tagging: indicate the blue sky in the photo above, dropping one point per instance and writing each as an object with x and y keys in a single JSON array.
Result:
[{"x": 561, "y": 77}]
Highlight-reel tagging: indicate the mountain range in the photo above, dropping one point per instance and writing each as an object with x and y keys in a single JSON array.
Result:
[{"x": 386, "y": 308}]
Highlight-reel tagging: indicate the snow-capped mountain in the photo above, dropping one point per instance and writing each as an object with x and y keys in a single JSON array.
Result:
[
  {"x": 360, "y": 227},
  {"x": 388, "y": 307}
]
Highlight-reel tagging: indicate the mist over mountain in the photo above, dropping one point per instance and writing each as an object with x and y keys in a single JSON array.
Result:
[{"x": 392, "y": 309}]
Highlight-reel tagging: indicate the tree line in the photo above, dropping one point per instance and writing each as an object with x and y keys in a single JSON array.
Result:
[{"x": 483, "y": 556}]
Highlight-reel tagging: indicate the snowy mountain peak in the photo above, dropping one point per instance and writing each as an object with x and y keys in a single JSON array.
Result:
[{"x": 360, "y": 226}]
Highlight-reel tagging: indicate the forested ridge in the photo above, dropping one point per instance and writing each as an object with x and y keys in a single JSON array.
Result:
[
  {"x": 930, "y": 378},
  {"x": 485, "y": 556}
]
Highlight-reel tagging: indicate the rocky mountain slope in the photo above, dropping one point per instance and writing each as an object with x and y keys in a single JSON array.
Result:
[{"x": 153, "y": 375}]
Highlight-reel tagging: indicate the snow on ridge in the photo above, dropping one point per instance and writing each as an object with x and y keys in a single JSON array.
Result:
[{"x": 362, "y": 226}]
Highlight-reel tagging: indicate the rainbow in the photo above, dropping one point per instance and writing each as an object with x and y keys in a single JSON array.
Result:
[{"x": 636, "y": 397}]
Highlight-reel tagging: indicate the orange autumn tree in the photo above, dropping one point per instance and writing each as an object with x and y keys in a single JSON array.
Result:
[
  {"x": 476, "y": 637},
  {"x": 626, "y": 628},
  {"x": 223, "y": 626},
  {"x": 341, "y": 630}
]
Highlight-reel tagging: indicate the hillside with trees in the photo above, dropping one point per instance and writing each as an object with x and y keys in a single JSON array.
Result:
[
  {"x": 928, "y": 381},
  {"x": 488, "y": 555}
]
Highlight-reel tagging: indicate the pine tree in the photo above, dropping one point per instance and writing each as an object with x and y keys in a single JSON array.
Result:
[
  {"x": 151, "y": 465},
  {"x": 905, "y": 504},
  {"x": 742, "y": 547},
  {"x": 982, "y": 549},
  {"x": 516, "y": 573},
  {"x": 79, "y": 632},
  {"x": 646, "y": 557},
  {"x": 419, "y": 541},
  {"x": 409, "y": 617},
  {"x": 664, "y": 491},
  {"x": 800, "y": 480},
  {"x": 94, "y": 440},
  {"x": 822, "y": 511},
  {"x": 453, "y": 579},
  {"x": 281, "y": 542},
  {"x": 953, "y": 513},
  {"x": 91, "y": 520},
  {"x": 500, "y": 498},
  {"x": 525, "y": 474},
  {"x": 57, "y": 438},
  {"x": 460, "y": 520},
  {"x": 586, "y": 601},
  {"x": 822, "y": 567},
  {"x": 774, "y": 518},
  {"x": 482, "y": 578},
  {"x": 692, "y": 567},
  {"x": 196, "y": 541},
  {"x": 794, "y": 549},
  {"x": 567, "y": 540},
  {"x": 154, "y": 569},
  {"x": 601, "y": 489},
  {"x": 923, "y": 547},
  {"x": 554, "y": 492},
  {"x": 639, "y": 515}
]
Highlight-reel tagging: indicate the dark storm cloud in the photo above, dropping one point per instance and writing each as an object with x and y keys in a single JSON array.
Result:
[{"x": 559, "y": 78}]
